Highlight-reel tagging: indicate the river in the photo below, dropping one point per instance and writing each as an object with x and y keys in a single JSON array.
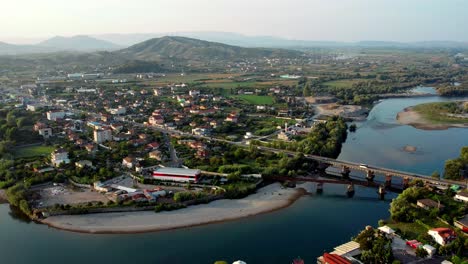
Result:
[{"x": 312, "y": 225}]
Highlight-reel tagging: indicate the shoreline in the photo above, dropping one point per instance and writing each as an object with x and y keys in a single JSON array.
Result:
[
  {"x": 412, "y": 118},
  {"x": 3, "y": 198},
  {"x": 267, "y": 199}
]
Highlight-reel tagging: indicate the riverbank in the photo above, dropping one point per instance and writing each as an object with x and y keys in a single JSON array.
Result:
[
  {"x": 412, "y": 118},
  {"x": 3, "y": 198},
  {"x": 266, "y": 199}
]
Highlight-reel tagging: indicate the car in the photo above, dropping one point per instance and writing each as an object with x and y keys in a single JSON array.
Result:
[{"x": 364, "y": 166}]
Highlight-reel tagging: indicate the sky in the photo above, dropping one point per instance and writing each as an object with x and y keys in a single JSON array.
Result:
[{"x": 25, "y": 21}]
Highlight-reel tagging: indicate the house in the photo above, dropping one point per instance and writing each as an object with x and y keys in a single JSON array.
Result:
[
  {"x": 156, "y": 154},
  {"x": 201, "y": 131},
  {"x": 462, "y": 224},
  {"x": 430, "y": 250},
  {"x": 45, "y": 132},
  {"x": 91, "y": 148},
  {"x": 129, "y": 162},
  {"x": 152, "y": 146},
  {"x": 442, "y": 235},
  {"x": 102, "y": 135},
  {"x": 232, "y": 117},
  {"x": 118, "y": 111},
  {"x": 461, "y": 196},
  {"x": 55, "y": 114},
  {"x": 194, "y": 93},
  {"x": 429, "y": 204},
  {"x": 59, "y": 156},
  {"x": 83, "y": 163}
]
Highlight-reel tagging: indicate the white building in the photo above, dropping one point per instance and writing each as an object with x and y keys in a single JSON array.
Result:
[
  {"x": 176, "y": 174},
  {"x": 45, "y": 132},
  {"x": 118, "y": 111},
  {"x": 102, "y": 135},
  {"x": 59, "y": 156},
  {"x": 194, "y": 92},
  {"x": 461, "y": 196},
  {"x": 54, "y": 115}
]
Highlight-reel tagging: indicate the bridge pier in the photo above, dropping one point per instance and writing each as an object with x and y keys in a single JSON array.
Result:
[
  {"x": 370, "y": 176},
  {"x": 345, "y": 172},
  {"x": 382, "y": 192},
  {"x": 388, "y": 181},
  {"x": 350, "y": 190},
  {"x": 319, "y": 187},
  {"x": 406, "y": 181}
]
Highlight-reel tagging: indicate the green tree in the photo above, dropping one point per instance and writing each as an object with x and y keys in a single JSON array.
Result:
[
  {"x": 435, "y": 175},
  {"x": 421, "y": 252}
]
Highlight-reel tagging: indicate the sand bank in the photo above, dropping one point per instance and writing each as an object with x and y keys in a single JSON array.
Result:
[
  {"x": 410, "y": 117},
  {"x": 267, "y": 199}
]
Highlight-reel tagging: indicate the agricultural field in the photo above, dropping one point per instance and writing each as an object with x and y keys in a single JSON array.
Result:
[
  {"x": 32, "y": 151},
  {"x": 256, "y": 99}
]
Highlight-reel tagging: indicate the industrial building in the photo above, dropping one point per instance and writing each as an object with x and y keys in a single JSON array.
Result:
[{"x": 176, "y": 174}]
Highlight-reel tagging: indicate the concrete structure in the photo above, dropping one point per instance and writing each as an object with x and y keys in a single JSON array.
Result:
[
  {"x": 430, "y": 250},
  {"x": 102, "y": 135},
  {"x": 176, "y": 174},
  {"x": 45, "y": 132},
  {"x": 55, "y": 114},
  {"x": 59, "y": 156},
  {"x": 118, "y": 111},
  {"x": 442, "y": 235}
]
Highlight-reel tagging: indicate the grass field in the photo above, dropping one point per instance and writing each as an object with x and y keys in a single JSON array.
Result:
[
  {"x": 257, "y": 99},
  {"x": 32, "y": 151},
  {"x": 437, "y": 113},
  {"x": 348, "y": 83}
]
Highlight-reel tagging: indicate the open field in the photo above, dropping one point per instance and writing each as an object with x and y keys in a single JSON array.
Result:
[
  {"x": 64, "y": 195},
  {"x": 438, "y": 113},
  {"x": 257, "y": 99},
  {"x": 32, "y": 151},
  {"x": 347, "y": 83},
  {"x": 429, "y": 120}
]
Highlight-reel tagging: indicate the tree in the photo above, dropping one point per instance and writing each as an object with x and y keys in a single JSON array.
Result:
[
  {"x": 452, "y": 168},
  {"x": 435, "y": 175},
  {"x": 352, "y": 128},
  {"x": 306, "y": 90},
  {"x": 421, "y": 252}
]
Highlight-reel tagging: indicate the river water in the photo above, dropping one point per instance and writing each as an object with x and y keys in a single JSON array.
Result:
[{"x": 312, "y": 225}]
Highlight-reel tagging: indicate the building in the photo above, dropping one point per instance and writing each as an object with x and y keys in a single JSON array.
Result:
[
  {"x": 462, "y": 224},
  {"x": 84, "y": 163},
  {"x": 59, "y": 156},
  {"x": 118, "y": 111},
  {"x": 55, "y": 114},
  {"x": 442, "y": 235},
  {"x": 461, "y": 196},
  {"x": 429, "y": 204},
  {"x": 176, "y": 174},
  {"x": 129, "y": 162},
  {"x": 156, "y": 154},
  {"x": 102, "y": 135},
  {"x": 194, "y": 93},
  {"x": 45, "y": 132}
]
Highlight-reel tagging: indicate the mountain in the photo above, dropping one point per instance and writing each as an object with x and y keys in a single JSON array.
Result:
[
  {"x": 183, "y": 48},
  {"x": 12, "y": 49},
  {"x": 237, "y": 39},
  {"x": 78, "y": 43}
]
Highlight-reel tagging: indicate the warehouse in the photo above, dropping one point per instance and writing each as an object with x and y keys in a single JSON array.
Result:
[{"x": 176, "y": 174}]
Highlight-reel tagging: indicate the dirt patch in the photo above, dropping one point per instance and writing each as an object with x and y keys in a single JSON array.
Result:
[
  {"x": 410, "y": 149},
  {"x": 65, "y": 195}
]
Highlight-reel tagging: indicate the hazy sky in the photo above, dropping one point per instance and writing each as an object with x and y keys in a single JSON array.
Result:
[{"x": 341, "y": 20}]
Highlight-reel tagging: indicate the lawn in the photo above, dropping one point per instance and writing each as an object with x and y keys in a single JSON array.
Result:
[
  {"x": 32, "y": 151},
  {"x": 257, "y": 99}
]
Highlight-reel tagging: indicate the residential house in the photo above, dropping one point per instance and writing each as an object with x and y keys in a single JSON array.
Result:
[
  {"x": 442, "y": 235},
  {"x": 429, "y": 204},
  {"x": 59, "y": 156},
  {"x": 155, "y": 154},
  {"x": 129, "y": 162},
  {"x": 461, "y": 196},
  {"x": 83, "y": 163},
  {"x": 462, "y": 224},
  {"x": 55, "y": 114}
]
